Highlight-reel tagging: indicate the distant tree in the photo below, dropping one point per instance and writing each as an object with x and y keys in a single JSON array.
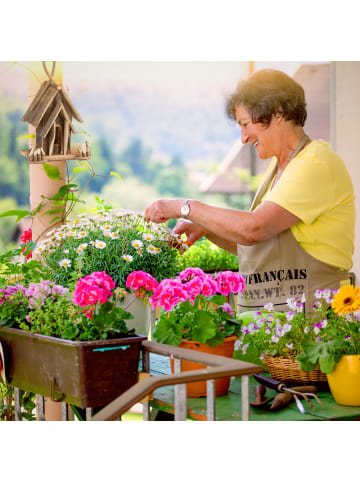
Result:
[{"x": 136, "y": 156}]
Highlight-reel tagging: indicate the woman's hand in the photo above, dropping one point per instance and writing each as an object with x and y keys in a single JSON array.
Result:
[
  {"x": 193, "y": 231},
  {"x": 162, "y": 210}
]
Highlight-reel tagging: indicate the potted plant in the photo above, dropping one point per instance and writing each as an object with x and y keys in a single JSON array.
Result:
[
  {"x": 71, "y": 346},
  {"x": 209, "y": 257},
  {"x": 194, "y": 314},
  {"x": 276, "y": 340},
  {"x": 337, "y": 346},
  {"x": 116, "y": 241}
]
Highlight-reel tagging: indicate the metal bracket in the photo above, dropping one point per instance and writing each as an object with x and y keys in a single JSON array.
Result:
[{"x": 52, "y": 392}]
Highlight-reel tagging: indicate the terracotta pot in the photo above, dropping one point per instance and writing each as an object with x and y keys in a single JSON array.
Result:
[
  {"x": 344, "y": 381},
  {"x": 198, "y": 389}
]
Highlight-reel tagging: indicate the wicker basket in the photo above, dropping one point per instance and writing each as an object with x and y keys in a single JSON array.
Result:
[{"x": 288, "y": 371}]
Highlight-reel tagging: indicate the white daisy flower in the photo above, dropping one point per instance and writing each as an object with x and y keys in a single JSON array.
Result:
[
  {"x": 82, "y": 234},
  {"x": 151, "y": 249},
  {"x": 81, "y": 247},
  {"x": 71, "y": 234},
  {"x": 137, "y": 244},
  {"x": 127, "y": 257},
  {"x": 39, "y": 249},
  {"x": 60, "y": 236},
  {"x": 99, "y": 244},
  {"x": 66, "y": 251},
  {"x": 107, "y": 234},
  {"x": 114, "y": 235},
  {"x": 107, "y": 227},
  {"x": 148, "y": 236},
  {"x": 65, "y": 263}
]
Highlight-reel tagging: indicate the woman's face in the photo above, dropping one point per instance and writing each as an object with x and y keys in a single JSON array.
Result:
[{"x": 263, "y": 137}]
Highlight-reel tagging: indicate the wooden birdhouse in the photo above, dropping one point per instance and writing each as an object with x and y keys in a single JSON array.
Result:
[{"x": 51, "y": 113}]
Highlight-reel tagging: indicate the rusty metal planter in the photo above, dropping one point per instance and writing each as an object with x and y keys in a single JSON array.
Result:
[{"x": 85, "y": 374}]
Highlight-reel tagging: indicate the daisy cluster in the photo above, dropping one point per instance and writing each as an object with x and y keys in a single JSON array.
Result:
[{"x": 110, "y": 240}]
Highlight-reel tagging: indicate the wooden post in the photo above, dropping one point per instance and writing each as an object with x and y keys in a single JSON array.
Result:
[{"x": 41, "y": 184}]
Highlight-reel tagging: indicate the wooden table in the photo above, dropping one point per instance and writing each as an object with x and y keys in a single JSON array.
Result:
[{"x": 228, "y": 407}]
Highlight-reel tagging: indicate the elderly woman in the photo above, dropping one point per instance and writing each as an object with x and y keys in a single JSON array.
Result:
[{"x": 298, "y": 236}]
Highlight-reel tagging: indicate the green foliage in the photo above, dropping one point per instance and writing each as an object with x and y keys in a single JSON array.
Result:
[
  {"x": 7, "y": 405},
  {"x": 104, "y": 242},
  {"x": 204, "y": 322},
  {"x": 14, "y": 269},
  {"x": 210, "y": 258},
  {"x": 325, "y": 354}
]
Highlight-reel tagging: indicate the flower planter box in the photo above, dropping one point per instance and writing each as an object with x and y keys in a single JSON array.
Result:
[{"x": 84, "y": 374}]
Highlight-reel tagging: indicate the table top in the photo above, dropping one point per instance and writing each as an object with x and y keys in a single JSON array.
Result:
[{"x": 228, "y": 407}]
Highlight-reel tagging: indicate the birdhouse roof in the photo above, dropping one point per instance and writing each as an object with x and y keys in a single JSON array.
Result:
[{"x": 42, "y": 100}]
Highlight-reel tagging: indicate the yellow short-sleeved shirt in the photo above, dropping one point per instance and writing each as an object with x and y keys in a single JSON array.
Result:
[{"x": 316, "y": 187}]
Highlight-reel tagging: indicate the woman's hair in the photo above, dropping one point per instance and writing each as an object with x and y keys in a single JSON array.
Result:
[{"x": 267, "y": 93}]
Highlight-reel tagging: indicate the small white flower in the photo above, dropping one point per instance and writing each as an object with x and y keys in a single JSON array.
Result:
[
  {"x": 60, "y": 236},
  {"x": 114, "y": 235},
  {"x": 237, "y": 345},
  {"x": 324, "y": 323},
  {"x": 290, "y": 346},
  {"x": 127, "y": 257},
  {"x": 274, "y": 338},
  {"x": 65, "y": 263},
  {"x": 137, "y": 244},
  {"x": 81, "y": 247},
  {"x": 290, "y": 315},
  {"x": 244, "y": 348},
  {"x": 318, "y": 294},
  {"x": 306, "y": 329},
  {"x": 82, "y": 234},
  {"x": 108, "y": 227},
  {"x": 148, "y": 237},
  {"x": 287, "y": 327},
  {"x": 269, "y": 307},
  {"x": 66, "y": 251},
  {"x": 39, "y": 249},
  {"x": 152, "y": 249},
  {"x": 71, "y": 234},
  {"x": 107, "y": 234},
  {"x": 267, "y": 331},
  {"x": 99, "y": 244},
  {"x": 316, "y": 330}
]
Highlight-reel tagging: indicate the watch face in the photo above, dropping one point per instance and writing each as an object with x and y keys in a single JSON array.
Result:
[{"x": 185, "y": 209}]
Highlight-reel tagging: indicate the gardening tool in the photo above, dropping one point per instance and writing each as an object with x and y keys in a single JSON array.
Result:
[{"x": 282, "y": 388}]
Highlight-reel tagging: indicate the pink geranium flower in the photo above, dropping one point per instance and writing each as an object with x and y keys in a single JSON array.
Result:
[
  {"x": 168, "y": 294},
  {"x": 190, "y": 273},
  {"x": 230, "y": 282},
  {"x": 93, "y": 288},
  {"x": 139, "y": 279}
]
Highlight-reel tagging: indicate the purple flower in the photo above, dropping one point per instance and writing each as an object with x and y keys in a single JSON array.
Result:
[{"x": 227, "y": 308}]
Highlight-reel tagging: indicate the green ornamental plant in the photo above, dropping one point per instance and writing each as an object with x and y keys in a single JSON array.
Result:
[
  {"x": 192, "y": 306},
  {"x": 115, "y": 241},
  {"x": 208, "y": 257},
  {"x": 319, "y": 337}
]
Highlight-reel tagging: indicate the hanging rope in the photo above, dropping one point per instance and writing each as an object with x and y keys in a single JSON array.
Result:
[{"x": 52, "y": 71}]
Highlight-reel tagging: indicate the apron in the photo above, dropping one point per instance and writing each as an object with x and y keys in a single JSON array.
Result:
[{"x": 280, "y": 268}]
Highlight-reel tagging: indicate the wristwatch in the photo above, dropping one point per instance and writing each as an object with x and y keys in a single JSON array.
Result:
[{"x": 185, "y": 209}]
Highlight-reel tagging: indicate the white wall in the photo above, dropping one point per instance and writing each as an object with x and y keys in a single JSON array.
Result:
[{"x": 345, "y": 132}]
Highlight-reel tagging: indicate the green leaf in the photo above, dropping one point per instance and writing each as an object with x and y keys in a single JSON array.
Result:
[
  {"x": 51, "y": 171},
  {"x": 205, "y": 327},
  {"x": 54, "y": 211},
  {"x": 168, "y": 331},
  {"x": 112, "y": 173},
  {"x": 327, "y": 363},
  {"x": 37, "y": 209},
  {"x": 26, "y": 136},
  {"x": 80, "y": 169},
  {"x": 16, "y": 212},
  {"x": 54, "y": 219}
]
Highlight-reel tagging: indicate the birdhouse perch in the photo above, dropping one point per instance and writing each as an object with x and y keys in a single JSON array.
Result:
[{"x": 51, "y": 113}]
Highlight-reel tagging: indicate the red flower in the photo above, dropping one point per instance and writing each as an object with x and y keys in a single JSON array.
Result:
[{"x": 26, "y": 236}]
